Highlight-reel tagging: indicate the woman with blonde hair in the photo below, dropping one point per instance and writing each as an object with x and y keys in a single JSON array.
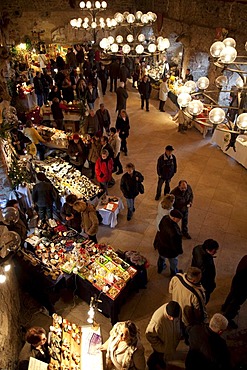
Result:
[
  {"x": 164, "y": 208},
  {"x": 124, "y": 350}
]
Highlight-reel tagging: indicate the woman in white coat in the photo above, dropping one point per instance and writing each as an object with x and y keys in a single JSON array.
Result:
[{"x": 163, "y": 94}]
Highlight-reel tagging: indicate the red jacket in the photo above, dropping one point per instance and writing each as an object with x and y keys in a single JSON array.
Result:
[{"x": 103, "y": 169}]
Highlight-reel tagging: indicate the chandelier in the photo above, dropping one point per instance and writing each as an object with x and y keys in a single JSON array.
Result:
[
  {"x": 135, "y": 43},
  {"x": 194, "y": 98},
  {"x": 91, "y": 21}
]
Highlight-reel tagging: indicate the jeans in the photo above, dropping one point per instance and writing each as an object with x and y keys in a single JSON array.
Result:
[
  {"x": 104, "y": 186},
  {"x": 185, "y": 222},
  {"x": 159, "y": 187},
  {"x": 147, "y": 103},
  {"x": 45, "y": 211},
  {"x": 113, "y": 81},
  {"x": 117, "y": 164},
  {"x": 90, "y": 105},
  {"x": 173, "y": 264},
  {"x": 130, "y": 206},
  {"x": 40, "y": 99}
]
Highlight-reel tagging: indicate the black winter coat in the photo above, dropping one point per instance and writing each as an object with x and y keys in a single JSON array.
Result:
[
  {"x": 182, "y": 199},
  {"x": 129, "y": 185},
  {"x": 166, "y": 166},
  {"x": 205, "y": 262},
  {"x": 57, "y": 111},
  {"x": 168, "y": 241},
  {"x": 67, "y": 211},
  {"x": 43, "y": 194},
  {"x": 145, "y": 89},
  {"x": 123, "y": 126},
  {"x": 114, "y": 69},
  {"x": 122, "y": 96},
  {"x": 207, "y": 350}
]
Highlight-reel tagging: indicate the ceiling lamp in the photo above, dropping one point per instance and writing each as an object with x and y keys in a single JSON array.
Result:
[
  {"x": 195, "y": 107},
  {"x": 228, "y": 55},
  {"x": 184, "y": 99},
  {"x": 111, "y": 40},
  {"x": 221, "y": 81},
  {"x": 119, "y": 39},
  {"x": 139, "y": 49},
  {"x": 242, "y": 121},
  {"x": 203, "y": 83},
  {"x": 104, "y": 43},
  {"x": 141, "y": 37},
  {"x": 152, "y": 48},
  {"x": 114, "y": 48},
  {"x": 217, "y": 116},
  {"x": 130, "y": 18},
  {"x": 126, "y": 49},
  {"x": 130, "y": 38},
  {"x": 191, "y": 85},
  {"x": 216, "y": 48},
  {"x": 229, "y": 42}
]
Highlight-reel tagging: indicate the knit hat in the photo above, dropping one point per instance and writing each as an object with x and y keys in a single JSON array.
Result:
[
  {"x": 169, "y": 147},
  {"x": 175, "y": 213},
  {"x": 168, "y": 201},
  {"x": 76, "y": 137},
  {"x": 173, "y": 309}
]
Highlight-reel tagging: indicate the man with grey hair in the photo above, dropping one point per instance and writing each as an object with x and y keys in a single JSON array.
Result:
[
  {"x": 122, "y": 97},
  {"x": 207, "y": 350}
]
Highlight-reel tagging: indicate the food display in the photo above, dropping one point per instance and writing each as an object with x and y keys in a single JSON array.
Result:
[
  {"x": 66, "y": 178},
  {"x": 61, "y": 250}
]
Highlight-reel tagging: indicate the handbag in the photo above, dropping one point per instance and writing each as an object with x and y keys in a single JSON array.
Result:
[{"x": 141, "y": 187}]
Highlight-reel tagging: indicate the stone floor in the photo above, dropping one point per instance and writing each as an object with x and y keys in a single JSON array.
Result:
[{"x": 219, "y": 211}]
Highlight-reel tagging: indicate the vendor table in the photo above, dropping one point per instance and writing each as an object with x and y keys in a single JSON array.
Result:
[
  {"x": 222, "y": 139},
  {"x": 110, "y": 308},
  {"x": 110, "y": 210},
  {"x": 29, "y": 102}
]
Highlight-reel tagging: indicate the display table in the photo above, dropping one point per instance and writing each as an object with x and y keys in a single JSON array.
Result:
[
  {"x": 222, "y": 139},
  {"x": 29, "y": 101},
  {"x": 109, "y": 210}
]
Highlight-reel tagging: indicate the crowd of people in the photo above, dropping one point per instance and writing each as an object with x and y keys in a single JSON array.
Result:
[{"x": 185, "y": 315}]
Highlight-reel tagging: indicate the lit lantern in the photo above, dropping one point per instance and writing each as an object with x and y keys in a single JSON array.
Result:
[
  {"x": 216, "y": 48},
  {"x": 184, "y": 99},
  {"x": 195, "y": 107},
  {"x": 242, "y": 121},
  {"x": 203, "y": 83},
  {"x": 216, "y": 116}
]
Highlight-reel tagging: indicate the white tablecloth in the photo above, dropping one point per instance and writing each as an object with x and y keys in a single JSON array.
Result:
[
  {"x": 110, "y": 217},
  {"x": 222, "y": 139}
]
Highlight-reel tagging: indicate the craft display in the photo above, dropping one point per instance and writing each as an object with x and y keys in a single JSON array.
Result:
[
  {"x": 66, "y": 178},
  {"x": 58, "y": 138},
  {"x": 60, "y": 249}
]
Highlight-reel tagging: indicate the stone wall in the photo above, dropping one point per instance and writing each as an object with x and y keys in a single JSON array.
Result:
[{"x": 9, "y": 322}]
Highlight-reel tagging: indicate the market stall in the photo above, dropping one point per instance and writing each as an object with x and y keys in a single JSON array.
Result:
[
  {"x": 67, "y": 179},
  {"x": 72, "y": 115},
  {"x": 109, "y": 208},
  {"x": 222, "y": 139},
  {"x": 74, "y": 347},
  {"x": 58, "y": 256}
]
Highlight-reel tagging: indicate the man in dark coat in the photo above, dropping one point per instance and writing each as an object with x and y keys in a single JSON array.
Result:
[
  {"x": 203, "y": 258},
  {"x": 123, "y": 74},
  {"x": 114, "y": 74},
  {"x": 129, "y": 186},
  {"x": 145, "y": 89},
  {"x": 105, "y": 145},
  {"x": 103, "y": 76},
  {"x": 103, "y": 118},
  {"x": 43, "y": 196},
  {"x": 183, "y": 201},
  {"x": 166, "y": 168},
  {"x": 207, "y": 349},
  {"x": 38, "y": 88},
  {"x": 122, "y": 97},
  {"x": 168, "y": 241},
  {"x": 238, "y": 293}
]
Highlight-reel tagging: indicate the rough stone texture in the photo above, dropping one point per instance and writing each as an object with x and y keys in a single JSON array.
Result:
[{"x": 9, "y": 322}]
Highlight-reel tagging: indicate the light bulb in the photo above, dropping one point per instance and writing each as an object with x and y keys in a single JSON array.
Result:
[
  {"x": 239, "y": 83},
  {"x": 104, "y": 4},
  {"x": 216, "y": 48},
  {"x": 126, "y": 49},
  {"x": 152, "y": 48},
  {"x": 184, "y": 99},
  {"x": 195, "y": 107},
  {"x": 119, "y": 39},
  {"x": 111, "y": 40},
  {"x": 242, "y": 121},
  {"x": 191, "y": 85},
  {"x": 221, "y": 81},
  {"x": 114, "y": 48},
  {"x": 138, "y": 15},
  {"x": 2, "y": 278},
  {"x": 82, "y": 5},
  {"x": 203, "y": 83},
  {"x": 139, "y": 49},
  {"x": 130, "y": 18},
  {"x": 228, "y": 55},
  {"x": 141, "y": 37},
  {"x": 88, "y": 4},
  {"x": 229, "y": 41},
  {"x": 97, "y": 4},
  {"x": 216, "y": 116},
  {"x": 130, "y": 38},
  {"x": 93, "y": 24},
  {"x": 7, "y": 267},
  {"x": 119, "y": 17},
  {"x": 144, "y": 18}
]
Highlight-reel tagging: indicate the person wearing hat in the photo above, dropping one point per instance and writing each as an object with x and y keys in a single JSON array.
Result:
[
  {"x": 187, "y": 290},
  {"x": 166, "y": 169},
  {"x": 103, "y": 169},
  {"x": 183, "y": 201},
  {"x": 164, "y": 208},
  {"x": 168, "y": 242},
  {"x": 77, "y": 152},
  {"x": 164, "y": 333}
]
